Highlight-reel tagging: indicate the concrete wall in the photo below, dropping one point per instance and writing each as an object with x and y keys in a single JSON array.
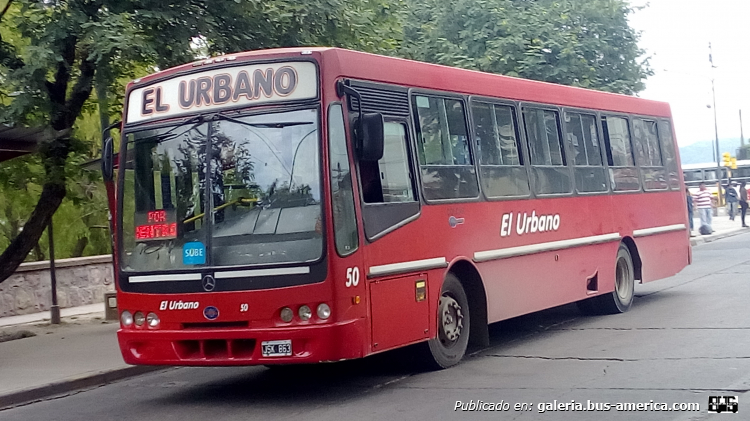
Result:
[{"x": 80, "y": 281}]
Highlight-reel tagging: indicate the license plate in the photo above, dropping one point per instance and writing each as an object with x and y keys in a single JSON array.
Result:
[{"x": 277, "y": 348}]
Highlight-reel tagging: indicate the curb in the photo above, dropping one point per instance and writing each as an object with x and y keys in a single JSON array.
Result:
[
  {"x": 85, "y": 381},
  {"x": 694, "y": 241}
]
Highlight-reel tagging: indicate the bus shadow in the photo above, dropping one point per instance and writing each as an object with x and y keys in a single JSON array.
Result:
[
  {"x": 529, "y": 325},
  {"x": 320, "y": 383},
  {"x": 568, "y": 316},
  {"x": 332, "y": 382}
]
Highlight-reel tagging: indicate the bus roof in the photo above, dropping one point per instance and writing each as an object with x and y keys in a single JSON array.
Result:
[{"x": 339, "y": 62}]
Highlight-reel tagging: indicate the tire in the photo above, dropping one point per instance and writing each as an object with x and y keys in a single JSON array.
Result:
[
  {"x": 454, "y": 323},
  {"x": 621, "y": 299}
]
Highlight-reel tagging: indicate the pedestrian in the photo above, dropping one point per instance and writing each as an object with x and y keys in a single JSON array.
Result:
[
  {"x": 730, "y": 193},
  {"x": 690, "y": 209},
  {"x": 703, "y": 203},
  {"x": 743, "y": 202}
]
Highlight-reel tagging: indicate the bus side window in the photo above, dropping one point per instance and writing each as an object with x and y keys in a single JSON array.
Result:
[
  {"x": 498, "y": 150},
  {"x": 445, "y": 159},
  {"x": 622, "y": 170},
  {"x": 648, "y": 153},
  {"x": 389, "y": 179},
  {"x": 388, "y": 185},
  {"x": 582, "y": 137},
  {"x": 548, "y": 163},
  {"x": 668, "y": 150}
]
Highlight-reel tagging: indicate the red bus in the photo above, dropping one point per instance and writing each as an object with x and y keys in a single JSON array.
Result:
[{"x": 307, "y": 205}]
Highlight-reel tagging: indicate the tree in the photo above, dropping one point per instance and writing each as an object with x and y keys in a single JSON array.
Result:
[
  {"x": 571, "y": 42},
  {"x": 57, "y": 51}
]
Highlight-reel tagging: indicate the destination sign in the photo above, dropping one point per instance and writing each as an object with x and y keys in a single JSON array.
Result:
[
  {"x": 155, "y": 225},
  {"x": 223, "y": 88}
]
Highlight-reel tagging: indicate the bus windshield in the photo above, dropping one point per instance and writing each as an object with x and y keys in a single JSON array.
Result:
[{"x": 264, "y": 177}]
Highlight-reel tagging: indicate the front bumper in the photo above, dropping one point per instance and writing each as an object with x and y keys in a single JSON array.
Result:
[{"x": 220, "y": 347}]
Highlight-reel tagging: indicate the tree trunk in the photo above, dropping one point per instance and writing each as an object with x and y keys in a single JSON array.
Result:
[
  {"x": 54, "y": 154},
  {"x": 52, "y": 195}
]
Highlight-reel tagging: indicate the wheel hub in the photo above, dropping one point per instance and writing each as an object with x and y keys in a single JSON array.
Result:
[
  {"x": 622, "y": 280},
  {"x": 451, "y": 320}
]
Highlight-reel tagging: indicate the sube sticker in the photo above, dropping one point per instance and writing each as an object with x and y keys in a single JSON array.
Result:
[{"x": 194, "y": 253}]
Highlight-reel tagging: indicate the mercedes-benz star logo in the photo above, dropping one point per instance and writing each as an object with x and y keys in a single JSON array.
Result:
[{"x": 209, "y": 283}]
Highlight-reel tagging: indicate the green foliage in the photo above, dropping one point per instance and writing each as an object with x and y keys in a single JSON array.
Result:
[
  {"x": 175, "y": 34},
  {"x": 572, "y": 42}
]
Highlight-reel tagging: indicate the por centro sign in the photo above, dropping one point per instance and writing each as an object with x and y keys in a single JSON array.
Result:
[{"x": 223, "y": 88}]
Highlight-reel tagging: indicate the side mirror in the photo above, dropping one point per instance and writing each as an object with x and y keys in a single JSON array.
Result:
[
  {"x": 108, "y": 159},
  {"x": 370, "y": 136}
]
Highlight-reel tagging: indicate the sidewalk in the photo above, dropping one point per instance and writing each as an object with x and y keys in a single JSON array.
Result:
[
  {"x": 79, "y": 353},
  {"x": 82, "y": 351},
  {"x": 722, "y": 226}
]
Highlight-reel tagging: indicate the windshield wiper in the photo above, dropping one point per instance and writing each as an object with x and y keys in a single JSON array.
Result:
[
  {"x": 169, "y": 134},
  {"x": 277, "y": 125}
]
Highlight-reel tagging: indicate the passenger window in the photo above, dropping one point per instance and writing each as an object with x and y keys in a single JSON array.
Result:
[
  {"x": 387, "y": 185},
  {"x": 542, "y": 131},
  {"x": 503, "y": 173},
  {"x": 582, "y": 137},
  {"x": 670, "y": 157},
  {"x": 622, "y": 171},
  {"x": 551, "y": 176},
  {"x": 694, "y": 175},
  {"x": 443, "y": 146},
  {"x": 389, "y": 179},
  {"x": 342, "y": 197},
  {"x": 649, "y": 155},
  {"x": 647, "y": 143}
]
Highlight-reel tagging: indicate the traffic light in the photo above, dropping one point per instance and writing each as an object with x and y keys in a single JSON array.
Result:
[
  {"x": 727, "y": 159},
  {"x": 734, "y": 163}
]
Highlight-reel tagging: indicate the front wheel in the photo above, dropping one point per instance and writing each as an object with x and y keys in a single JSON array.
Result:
[
  {"x": 621, "y": 299},
  {"x": 454, "y": 322}
]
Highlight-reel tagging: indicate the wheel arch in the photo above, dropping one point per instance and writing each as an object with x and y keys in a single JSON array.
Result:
[
  {"x": 471, "y": 281},
  {"x": 635, "y": 255}
]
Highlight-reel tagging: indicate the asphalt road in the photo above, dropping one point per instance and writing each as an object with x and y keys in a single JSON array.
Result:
[{"x": 685, "y": 339}]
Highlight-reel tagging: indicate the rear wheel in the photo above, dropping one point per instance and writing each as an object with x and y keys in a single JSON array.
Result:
[
  {"x": 621, "y": 299},
  {"x": 449, "y": 346}
]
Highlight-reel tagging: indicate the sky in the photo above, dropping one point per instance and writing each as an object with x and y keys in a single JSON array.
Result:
[{"x": 676, "y": 34}]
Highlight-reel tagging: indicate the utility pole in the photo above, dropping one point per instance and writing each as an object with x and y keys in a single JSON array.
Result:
[
  {"x": 716, "y": 127},
  {"x": 742, "y": 137},
  {"x": 54, "y": 309}
]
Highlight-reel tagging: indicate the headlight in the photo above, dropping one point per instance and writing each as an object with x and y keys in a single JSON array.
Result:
[
  {"x": 139, "y": 318},
  {"x": 126, "y": 318},
  {"x": 324, "y": 311},
  {"x": 305, "y": 313},
  {"x": 153, "y": 320},
  {"x": 287, "y": 314}
]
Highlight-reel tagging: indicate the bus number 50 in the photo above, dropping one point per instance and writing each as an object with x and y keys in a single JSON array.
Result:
[{"x": 352, "y": 276}]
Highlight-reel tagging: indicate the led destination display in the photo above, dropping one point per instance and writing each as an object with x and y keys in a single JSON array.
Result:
[{"x": 155, "y": 225}]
